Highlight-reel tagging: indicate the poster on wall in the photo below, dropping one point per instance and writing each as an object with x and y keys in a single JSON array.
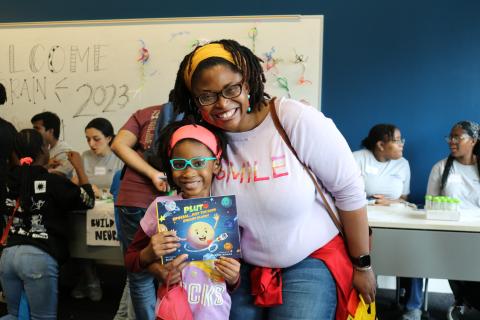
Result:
[{"x": 100, "y": 225}]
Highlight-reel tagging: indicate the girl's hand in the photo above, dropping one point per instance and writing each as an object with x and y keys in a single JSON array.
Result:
[
  {"x": 229, "y": 269},
  {"x": 75, "y": 159},
  {"x": 364, "y": 282},
  {"x": 53, "y": 163},
  {"x": 173, "y": 268},
  {"x": 162, "y": 243}
]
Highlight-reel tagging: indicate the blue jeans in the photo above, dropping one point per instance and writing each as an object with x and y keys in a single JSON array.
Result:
[
  {"x": 415, "y": 299},
  {"x": 142, "y": 284},
  {"x": 27, "y": 268},
  {"x": 309, "y": 292}
]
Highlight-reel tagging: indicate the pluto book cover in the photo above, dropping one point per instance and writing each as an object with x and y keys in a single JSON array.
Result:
[{"x": 207, "y": 227}]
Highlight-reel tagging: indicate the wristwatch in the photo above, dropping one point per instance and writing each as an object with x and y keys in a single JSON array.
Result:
[{"x": 362, "y": 262}]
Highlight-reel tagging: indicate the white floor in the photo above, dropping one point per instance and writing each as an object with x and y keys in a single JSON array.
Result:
[{"x": 434, "y": 285}]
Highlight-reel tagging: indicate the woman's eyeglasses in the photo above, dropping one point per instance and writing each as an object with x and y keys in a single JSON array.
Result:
[
  {"x": 399, "y": 141},
  {"x": 455, "y": 140},
  {"x": 229, "y": 92},
  {"x": 196, "y": 163}
]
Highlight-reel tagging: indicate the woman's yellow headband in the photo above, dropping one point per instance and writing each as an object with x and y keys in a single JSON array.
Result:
[{"x": 207, "y": 51}]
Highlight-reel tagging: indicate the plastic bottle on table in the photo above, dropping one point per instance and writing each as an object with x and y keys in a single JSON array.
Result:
[{"x": 428, "y": 202}]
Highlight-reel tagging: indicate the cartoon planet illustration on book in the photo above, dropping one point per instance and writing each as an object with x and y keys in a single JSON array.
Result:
[
  {"x": 226, "y": 202},
  {"x": 200, "y": 235},
  {"x": 228, "y": 246},
  {"x": 170, "y": 205}
]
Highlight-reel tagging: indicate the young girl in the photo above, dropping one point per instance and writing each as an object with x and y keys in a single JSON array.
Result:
[
  {"x": 37, "y": 238},
  {"x": 191, "y": 158}
]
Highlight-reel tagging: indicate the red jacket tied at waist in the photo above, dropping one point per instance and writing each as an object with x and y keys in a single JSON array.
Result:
[{"x": 267, "y": 282}]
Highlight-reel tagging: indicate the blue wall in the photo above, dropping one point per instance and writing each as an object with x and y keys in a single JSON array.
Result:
[{"x": 412, "y": 63}]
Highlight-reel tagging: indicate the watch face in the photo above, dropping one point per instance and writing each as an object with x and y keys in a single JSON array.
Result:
[{"x": 364, "y": 261}]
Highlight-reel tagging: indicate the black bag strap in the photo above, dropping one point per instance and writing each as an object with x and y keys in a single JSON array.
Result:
[{"x": 285, "y": 138}]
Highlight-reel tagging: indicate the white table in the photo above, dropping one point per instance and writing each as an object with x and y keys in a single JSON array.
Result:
[
  {"x": 78, "y": 238},
  {"x": 406, "y": 244}
]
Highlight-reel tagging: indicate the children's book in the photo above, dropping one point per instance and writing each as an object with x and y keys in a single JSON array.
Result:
[{"x": 207, "y": 227}]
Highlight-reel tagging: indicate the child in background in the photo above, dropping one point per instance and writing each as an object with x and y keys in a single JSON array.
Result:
[
  {"x": 37, "y": 241},
  {"x": 190, "y": 155}
]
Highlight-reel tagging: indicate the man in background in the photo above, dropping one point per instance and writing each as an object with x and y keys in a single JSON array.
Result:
[{"x": 48, "y": 124}]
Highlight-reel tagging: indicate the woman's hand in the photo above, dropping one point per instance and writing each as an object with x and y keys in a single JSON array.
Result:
[
  {"x": 380, "y": 200},
  {"x": 159, "y": 180},
  {"x": 229, "y": 269},
  {"x": 98, "y": 192},
  {"x": 364, "y": 282}
]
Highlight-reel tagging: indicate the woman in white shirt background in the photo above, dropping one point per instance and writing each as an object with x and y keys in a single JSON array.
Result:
[
  {"x": 100, "y": 165},
  {"x": 387, "y": 181},
  {"x": 99, "y": 161},
  {"x": 385, "y": 171},
  {"x": 457, "y": 176}
]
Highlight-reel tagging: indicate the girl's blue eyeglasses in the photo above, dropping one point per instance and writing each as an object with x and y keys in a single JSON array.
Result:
[{"x": 196, "y": 163}]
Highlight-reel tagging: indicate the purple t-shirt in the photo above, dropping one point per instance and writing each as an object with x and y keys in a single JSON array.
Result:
[
  {"x": 206, "y": 289},
  {"x": 282, "y": 217}
]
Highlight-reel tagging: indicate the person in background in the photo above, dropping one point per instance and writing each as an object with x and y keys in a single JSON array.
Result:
[
  {"x": 140, "y": 185},
  {"x": 458, "y": 176},
  {"x": 100, "y": 165},
  {"x": 191, "y": 157},
  {"x": 7, "y": 136},
  {"x": 7, "y": 156},
  {"x": 125, "y": 310},
  {"x": 37, "y": 240},
  {"x": 48, "y": 124},
  {"x": 100, "y": 161},
  {"x": 385, "y": 172},
  {"x": 286, "y": 231},
  {"x": 387, "y": 181}
]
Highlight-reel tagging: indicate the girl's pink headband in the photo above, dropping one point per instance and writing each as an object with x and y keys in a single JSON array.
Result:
[{"x": 198, "y": 133}]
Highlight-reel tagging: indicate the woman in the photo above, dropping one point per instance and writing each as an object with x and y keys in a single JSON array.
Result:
[
  {"x": 387, "y": 180},
  {"x": 100, "y": 165},
  {"x": 458, "y": 177},
  {"x": 385, "y": 171},
  {"x": 37, "y": 243},
  {"x": 285, "y": 227},
  {"x": 100, "y": 162}
]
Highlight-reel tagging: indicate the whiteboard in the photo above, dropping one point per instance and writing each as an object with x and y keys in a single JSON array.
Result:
[{"x": 86, "y": 69}]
